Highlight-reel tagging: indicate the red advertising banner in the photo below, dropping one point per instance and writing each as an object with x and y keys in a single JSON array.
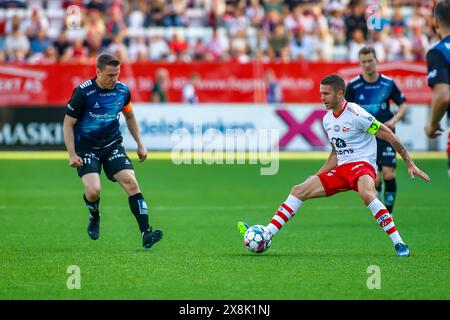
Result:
[{"x": 222, "y": 82}]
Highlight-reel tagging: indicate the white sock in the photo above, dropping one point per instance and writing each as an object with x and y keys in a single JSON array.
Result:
[
  {"x": 284, "y": 213},
  {"x": 385, "y": 220}
]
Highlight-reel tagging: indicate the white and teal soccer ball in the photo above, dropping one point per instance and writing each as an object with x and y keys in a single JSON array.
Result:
[{"x": 257, "y": 239}]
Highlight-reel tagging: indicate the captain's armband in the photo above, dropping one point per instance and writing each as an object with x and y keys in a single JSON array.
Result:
[
  {"x": 374, "y": 127},
  {"x": 128, "y": 107}
]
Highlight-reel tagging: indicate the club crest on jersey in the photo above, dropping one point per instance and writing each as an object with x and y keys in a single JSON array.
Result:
[
  {"x": 119, "y": 103},
  {"x": 337, "y": 128}
]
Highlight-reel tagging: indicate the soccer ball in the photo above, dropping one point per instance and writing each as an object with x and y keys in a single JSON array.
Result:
[{"x": 257, "y": 239}]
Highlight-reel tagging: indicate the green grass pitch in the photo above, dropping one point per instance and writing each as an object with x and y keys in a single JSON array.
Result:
[{"x": 325, "y": 252}]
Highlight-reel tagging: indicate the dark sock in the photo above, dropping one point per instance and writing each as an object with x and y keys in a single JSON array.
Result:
[
  {"x": 93, "y": 207},
  {"x": 378, "y": 188},
  {"x": 389, "y": 195},
  {"x": 139, "y": 209}
]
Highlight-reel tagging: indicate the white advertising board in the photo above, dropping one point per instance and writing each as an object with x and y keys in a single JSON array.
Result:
[{"x": 292, "y": 127}]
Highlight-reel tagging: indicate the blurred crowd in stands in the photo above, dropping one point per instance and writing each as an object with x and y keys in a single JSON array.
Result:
[{"x": 58, "y": 31}]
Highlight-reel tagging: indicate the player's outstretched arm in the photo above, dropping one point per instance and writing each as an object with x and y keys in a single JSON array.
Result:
[
  {"x": 132, "y": 125},
  {"x": 331, "y": 162},
  {"x": 386, "y": 134},
  {"x": 69, "y": 140}
]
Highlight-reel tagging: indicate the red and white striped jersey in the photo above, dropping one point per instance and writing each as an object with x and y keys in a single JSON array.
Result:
[{"x": 348, "y": 132}]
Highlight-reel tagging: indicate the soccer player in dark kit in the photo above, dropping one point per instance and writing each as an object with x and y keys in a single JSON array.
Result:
[
  {"x": 438, "y": 61},
  {"x": 373, "y": 91},
  {"x": 93, "y": 141}
]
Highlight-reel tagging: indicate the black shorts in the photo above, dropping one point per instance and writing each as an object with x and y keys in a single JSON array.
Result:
[
  {"x": 113, "y": 159},
  {"x": 386, "y": 155}
]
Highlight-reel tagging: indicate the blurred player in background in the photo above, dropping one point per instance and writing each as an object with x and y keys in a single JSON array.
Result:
[
  {"x": 373, "y": 91},
  {"x": 93, "y": 140},
  {"x": 351, "y": 165},
  {"x": 438, "y": 60}
]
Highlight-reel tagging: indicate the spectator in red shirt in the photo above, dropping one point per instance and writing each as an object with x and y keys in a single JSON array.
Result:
[{"x": 179, "y": 48}]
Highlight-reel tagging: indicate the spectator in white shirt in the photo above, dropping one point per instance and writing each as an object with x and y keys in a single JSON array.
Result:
[{"x": 189, "y": 94}]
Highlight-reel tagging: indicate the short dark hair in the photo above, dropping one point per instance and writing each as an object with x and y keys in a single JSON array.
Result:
[
  {"x": 442, "y": 12},
  {"x": 335, "y": 81},
  {"x": 106, "y": 59},
  {"x": 367, "y": 50}
]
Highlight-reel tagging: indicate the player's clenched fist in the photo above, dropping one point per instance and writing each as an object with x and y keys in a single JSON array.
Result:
[{"x": 76, "y": 161}]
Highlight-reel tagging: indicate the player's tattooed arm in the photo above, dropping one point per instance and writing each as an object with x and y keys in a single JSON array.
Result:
[
  {"x": 400, "y": 148},
  {"x": 386, "y": 134}
]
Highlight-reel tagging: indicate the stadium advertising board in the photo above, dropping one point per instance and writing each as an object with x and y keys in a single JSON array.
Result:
[
  {"x": 299, "y": 127},
  {"x": 25, "y": 128},
  {"x": 241, "y": 127},
  {"x": 219, "y": 82}
]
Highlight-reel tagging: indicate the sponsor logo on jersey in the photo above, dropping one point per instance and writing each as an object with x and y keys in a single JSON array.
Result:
[
  {"x": 102, "y": 116},
  {"x": 107, "y": 94},
  {"x": 345, "y": 151},
  {"x": 353, "y": 111},
  {"x": 91, "y": 92},
  {"x": 345, "y": 129},
  {"x": 388, "y": 152},
  {"x": 356, "y": 166},
  {"x": 96, "y": 105},
  {"x": 361, "y": 97},
  {"x": 339, "y": 143},
  {"x": 432, "y": 74},
  {"x": 91, "y": 155},
  {"x": 116, "y": 156}
]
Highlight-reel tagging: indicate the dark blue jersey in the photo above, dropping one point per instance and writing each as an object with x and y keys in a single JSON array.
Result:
[
  {"x": 374, "y": 97},
  {"x": 97, "y": 112},
  {"x": 438, "y": 61}
]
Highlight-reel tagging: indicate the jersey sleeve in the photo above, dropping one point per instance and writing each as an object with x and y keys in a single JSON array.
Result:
[
  {"x": 438, "y": 71},
  {"x": 396, "y": 95},
  {"x": 76, "y": 104},
  {"x": 127, "y": 106},
  {"x": 366, "y": 122}
]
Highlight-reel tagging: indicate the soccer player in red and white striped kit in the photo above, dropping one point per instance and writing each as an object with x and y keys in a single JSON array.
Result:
[{"x": 351, "y": 165}]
